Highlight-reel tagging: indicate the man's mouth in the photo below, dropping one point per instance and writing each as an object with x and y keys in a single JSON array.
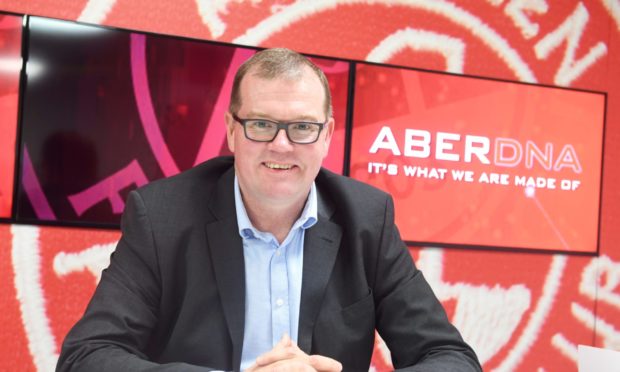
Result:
[{"x": 278, "y": 166}]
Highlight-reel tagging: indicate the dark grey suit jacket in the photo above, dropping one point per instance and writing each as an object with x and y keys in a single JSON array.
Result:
[{"x": 173, "y": 298}]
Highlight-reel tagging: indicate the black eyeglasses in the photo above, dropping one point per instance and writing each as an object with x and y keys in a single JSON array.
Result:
[{"x": 261, "y": 130}]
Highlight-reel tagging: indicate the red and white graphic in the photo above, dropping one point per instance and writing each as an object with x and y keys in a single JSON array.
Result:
[
  {"x": 520, "y": 311},
  {"x": 50, "y": 274}
]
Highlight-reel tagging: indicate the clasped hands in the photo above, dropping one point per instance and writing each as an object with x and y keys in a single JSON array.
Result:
[{"x": 287, "y": 356}]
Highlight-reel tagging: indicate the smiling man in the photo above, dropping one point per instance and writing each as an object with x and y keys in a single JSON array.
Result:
[
  {"x": 279, "y": 129},
  {"x": 264, "y": 261}
]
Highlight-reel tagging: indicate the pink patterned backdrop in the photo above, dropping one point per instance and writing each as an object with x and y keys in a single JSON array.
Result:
[{"x": 520, "y": 311}]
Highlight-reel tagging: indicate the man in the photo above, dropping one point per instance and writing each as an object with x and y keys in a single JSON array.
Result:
[{"x": 264, "y": 262}]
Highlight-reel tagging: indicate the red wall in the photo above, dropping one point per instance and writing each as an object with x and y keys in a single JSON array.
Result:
[{"x": 520, "y": 311}]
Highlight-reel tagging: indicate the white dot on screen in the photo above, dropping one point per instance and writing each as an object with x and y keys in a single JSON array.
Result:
[{"x": 530, "y": 191}]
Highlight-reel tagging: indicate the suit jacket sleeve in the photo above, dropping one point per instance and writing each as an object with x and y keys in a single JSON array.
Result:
[
  {"x": 409, "y": 317},
  {"x": 114, "y": 333}
]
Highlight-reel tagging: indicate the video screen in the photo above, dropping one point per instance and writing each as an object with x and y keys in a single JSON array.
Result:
[
  {"x": 474, "y": 162},
  {"x": 106, "y": 111},
  {"x": 10, "y": 68}
]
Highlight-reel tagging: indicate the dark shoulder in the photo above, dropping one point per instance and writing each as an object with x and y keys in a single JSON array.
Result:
[
  {"x": 350, "y": 194},
  {"x": 188, "y": 192},
  {"x": 338, "y": 182},
  {"x": 203, "y": 176}
]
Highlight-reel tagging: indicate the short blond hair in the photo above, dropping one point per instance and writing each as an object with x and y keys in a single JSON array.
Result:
[{"x": 277, "y": 63}]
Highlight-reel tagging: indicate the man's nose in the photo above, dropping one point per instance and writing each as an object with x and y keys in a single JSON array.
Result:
[{"x": 281, "y": 142}]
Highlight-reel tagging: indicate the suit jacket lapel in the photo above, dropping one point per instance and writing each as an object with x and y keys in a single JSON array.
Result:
[
  {"x": 226, "y": 248},
  {"x": 321, "y": 243}
]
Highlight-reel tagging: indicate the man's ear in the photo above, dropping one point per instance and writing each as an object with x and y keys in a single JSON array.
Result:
[
  {"x": 230, "y": 131},
  {"x": 329, "y": 132}
]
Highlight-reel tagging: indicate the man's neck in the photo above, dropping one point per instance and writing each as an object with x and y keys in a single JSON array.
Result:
[{"x": 276, "y": 219}]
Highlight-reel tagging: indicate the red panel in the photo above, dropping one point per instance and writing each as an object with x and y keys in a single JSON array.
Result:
[{"x": 10, "y": 67}]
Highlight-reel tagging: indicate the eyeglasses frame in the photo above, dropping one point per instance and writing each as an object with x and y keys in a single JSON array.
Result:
[{"x": 284, "y": 125}]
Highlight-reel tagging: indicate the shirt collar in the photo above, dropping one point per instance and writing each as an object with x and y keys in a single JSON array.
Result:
[{"x": 306, "y": 220}]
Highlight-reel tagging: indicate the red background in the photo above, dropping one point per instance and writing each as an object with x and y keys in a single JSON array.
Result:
[{"x": 520, "y": 311}]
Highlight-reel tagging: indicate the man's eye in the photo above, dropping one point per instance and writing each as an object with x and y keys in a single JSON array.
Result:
[
  {"x": 303, "y": 127},
  {"x": 261, "y": 124}
]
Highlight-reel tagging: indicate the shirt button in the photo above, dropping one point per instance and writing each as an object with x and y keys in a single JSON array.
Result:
[
  {"x": 279, "y": 302},
  {"x": 278, "y": 252}
]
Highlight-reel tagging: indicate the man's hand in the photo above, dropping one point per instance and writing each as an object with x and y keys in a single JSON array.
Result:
[{"x": 287, "y": 356}]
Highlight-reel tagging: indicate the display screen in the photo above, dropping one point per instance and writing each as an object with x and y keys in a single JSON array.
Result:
[
  {"x": 10, "y": 68},
  {"x": 474, "y": 162},
  {"x": 109, "y": 110}
]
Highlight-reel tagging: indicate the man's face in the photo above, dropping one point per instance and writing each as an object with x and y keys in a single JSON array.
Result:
[{"x": 279, "y": 172}]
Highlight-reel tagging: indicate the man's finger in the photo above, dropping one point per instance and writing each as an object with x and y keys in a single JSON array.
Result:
[
  {"x": 278, "y": 354},
  {"x": 287, "y": 366},
  {"x": 284, "y": 341},
  {"x": 325, "y": 364},
  {"x": 278, "y": 351}
]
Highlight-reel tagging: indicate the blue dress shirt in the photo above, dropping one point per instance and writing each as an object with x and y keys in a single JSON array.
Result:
[{"x": 273, "y": 274}]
